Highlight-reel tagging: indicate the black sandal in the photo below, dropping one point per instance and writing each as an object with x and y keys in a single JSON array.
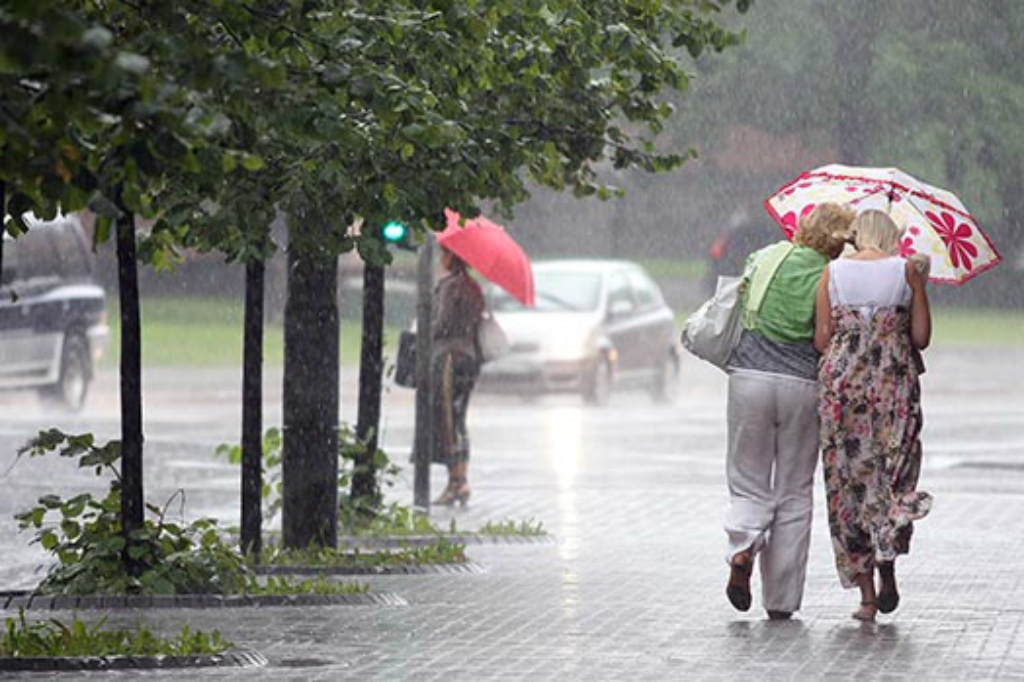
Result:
[
  {"x": 888, "y": 595},
  {"x": 738, "y": 589}
]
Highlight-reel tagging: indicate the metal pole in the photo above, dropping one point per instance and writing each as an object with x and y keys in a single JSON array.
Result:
[{"x": 423, "y": 442}]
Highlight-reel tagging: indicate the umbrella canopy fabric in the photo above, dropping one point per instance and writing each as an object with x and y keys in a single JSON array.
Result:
[
  {"x": 935, "y": 221},
  {"x": 489, "y": 250}
]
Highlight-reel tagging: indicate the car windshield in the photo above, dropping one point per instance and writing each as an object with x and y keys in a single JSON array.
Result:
[{"x": 555, "y": 292}]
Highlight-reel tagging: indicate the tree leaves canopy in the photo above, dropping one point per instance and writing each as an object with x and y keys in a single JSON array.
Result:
[{"x": 215, "y": 114}]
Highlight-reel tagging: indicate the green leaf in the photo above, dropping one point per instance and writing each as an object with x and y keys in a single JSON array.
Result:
[
  {"x": 48, "y": 540},
  {"x": 251, "y": 162}
]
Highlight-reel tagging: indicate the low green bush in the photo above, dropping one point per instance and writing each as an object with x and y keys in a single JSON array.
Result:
[
  {"x": 54, "y": 638},
  {"x": 528, "y": 527},
  {"x": 440, "y": 551},
  {"x": 168, "y": 558}
]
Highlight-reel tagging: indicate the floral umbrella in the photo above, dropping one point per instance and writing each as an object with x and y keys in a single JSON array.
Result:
[{"x": 936, "y": 222}]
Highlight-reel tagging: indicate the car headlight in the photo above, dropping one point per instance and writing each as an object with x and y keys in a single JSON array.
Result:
[{"x": 570, "y": 346}]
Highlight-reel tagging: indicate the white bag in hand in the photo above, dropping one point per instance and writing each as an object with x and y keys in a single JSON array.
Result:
[
  {"x": 491, "y": 338},
  {"x": 713, "y": 331}
]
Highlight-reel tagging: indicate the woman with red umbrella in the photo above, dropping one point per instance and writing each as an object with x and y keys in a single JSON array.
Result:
[{"x": 455, "y": 365}]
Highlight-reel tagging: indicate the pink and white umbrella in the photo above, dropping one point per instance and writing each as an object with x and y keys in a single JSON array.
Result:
[{"x": 936, "y": 222}]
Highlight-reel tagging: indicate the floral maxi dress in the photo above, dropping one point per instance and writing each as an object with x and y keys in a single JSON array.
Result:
[{"x": 870, "y": 410}]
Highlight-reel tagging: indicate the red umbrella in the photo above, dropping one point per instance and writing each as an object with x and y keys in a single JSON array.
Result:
[{"x": 488, "y": 249}]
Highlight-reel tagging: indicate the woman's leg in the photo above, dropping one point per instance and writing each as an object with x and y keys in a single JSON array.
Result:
[
  {"x": 784, "y": 557},
  {"x": 749, "y": 460},
  {"x": 445, "y": 436},
  {"x": 751, "y": 453},
  {"x": 868, "y": 607},
  {"x": 465, "y": 372}
]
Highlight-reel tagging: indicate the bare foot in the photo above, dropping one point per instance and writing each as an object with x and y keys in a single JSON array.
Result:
[{"x": 866, "y": 612}]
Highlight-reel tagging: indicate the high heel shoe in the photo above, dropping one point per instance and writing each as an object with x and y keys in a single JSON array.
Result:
[
  {"x": 461, "y": 494},
  {"x": 447, "y": 498}
]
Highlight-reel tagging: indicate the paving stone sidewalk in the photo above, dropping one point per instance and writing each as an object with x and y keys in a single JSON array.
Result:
[{"x": 633, "y": 586}]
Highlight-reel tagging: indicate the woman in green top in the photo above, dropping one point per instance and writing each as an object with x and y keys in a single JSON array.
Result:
[{"x": 772, "y": 414}]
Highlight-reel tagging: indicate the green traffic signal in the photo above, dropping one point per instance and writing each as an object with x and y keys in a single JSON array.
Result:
[{"x": 395, "y": 232}]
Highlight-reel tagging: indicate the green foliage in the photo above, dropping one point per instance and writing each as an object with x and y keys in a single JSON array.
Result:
[
  {"x": 440, "y": 551},
  {"x": 389, "y": 520},
  {"x": 356, "y": 516},
  {"x": 283, "y": 585},
  {"x": 215, "y": 115},
  {"x": 204, "y": 332},
  {"x": 940, "y": 93},
  {"x": 691, "y": 269},
  {"x": 529, "y": 528},
  {"x": 85, "y": 535},
  {"x": 976, "y": 327},
  {"x": 273, "y": 488},
  {"x": 53, "y": 638}
]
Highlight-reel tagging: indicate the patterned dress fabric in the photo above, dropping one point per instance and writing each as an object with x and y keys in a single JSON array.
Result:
[
  {"x": 870, "y": 411},
  {"x": 455, "y": 363}
]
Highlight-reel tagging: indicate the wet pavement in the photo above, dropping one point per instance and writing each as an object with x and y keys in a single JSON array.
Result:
[{"x": 632, "y": 587}]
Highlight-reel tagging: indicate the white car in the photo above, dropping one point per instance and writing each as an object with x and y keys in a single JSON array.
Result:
[{"x": 597, "y": 325}]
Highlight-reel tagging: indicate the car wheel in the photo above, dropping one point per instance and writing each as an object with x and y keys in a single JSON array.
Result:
[
  {"x": 597, "y": 387},
  {"x": 665, "y": 387},
  {"x": 75, "y": 374}
]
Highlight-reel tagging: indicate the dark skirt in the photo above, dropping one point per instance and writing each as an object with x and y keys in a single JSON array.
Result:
[{"x": 454, "y": 374}]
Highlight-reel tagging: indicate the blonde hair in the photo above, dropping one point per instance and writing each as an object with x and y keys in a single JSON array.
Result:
[
  {"x": 874, "y": 229},
  {"x": 825, "y": 229}
]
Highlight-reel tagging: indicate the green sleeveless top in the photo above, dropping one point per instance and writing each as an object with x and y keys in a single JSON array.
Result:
[{"x": 781, "y": 307}]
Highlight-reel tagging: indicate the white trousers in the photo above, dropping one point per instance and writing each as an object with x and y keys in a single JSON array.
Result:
[{"x": 772, "y": 455}]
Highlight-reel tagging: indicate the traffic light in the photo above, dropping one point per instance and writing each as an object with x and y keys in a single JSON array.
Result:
[{"x": 395, "y": 233}]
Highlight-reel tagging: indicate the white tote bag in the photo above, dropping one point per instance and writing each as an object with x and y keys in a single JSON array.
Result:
[
  {"x": 713, "y": 331},
  {"x": 491, "y": 338}
]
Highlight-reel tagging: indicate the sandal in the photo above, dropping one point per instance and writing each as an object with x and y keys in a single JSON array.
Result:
[
  {"x": 863, "y": 615},
  {"x": 738, "y": 589},
  {"x": 888, "y": 595}
]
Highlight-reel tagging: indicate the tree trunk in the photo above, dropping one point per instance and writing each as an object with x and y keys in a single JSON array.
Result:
[
  {"x": 132, "y": 497},
  {"x": 364, "y": 481},
  {"x": 252, "y": 412},
  {"x": 310, "y": 467}
]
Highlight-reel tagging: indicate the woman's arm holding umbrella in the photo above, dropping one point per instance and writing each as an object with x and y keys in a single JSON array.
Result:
[{"x": 920, "y": 312}]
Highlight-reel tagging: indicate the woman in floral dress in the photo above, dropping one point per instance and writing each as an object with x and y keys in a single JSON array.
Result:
[{"x": 872, "y": 320}]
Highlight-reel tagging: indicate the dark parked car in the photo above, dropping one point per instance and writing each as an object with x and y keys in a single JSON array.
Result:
[
  {"x": 53, "y": 321},
  {"x": 597, "y": 325}
]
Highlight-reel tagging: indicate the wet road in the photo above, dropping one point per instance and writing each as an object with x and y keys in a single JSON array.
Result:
[
  {"x": 974, "y": 436},
  {"x": 632, "y": 586}
]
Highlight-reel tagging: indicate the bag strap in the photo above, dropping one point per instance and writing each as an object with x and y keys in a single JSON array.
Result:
[{"x": 759, "y": 274}]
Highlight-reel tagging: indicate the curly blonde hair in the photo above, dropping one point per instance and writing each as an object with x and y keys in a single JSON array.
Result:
[{"x": 826, "y": 229}]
